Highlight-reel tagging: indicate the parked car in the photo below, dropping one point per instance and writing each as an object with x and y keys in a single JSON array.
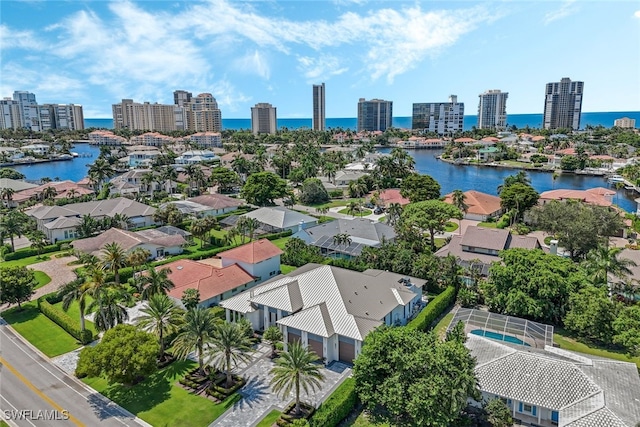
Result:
[{"x": 378, "y": 211}]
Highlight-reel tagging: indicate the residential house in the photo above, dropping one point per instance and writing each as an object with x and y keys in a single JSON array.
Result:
[
  {"x": 104, "y": 137},
  {"x": 329, "y": 309},
  {"x": 142, "y": 158},
  {"x": 551, "y": 387},
  {"x": 390, "y": 196},
  {"x": 196, "y": 156},
  {"x": 63, "y": 190},
  {"x": 594, "y": 196},
  {"x": 276, "y": 219},
  {"x": 131, "y": 183},
  {"x": 208, "y": 205},
  {"x": 214, "y": 283},
  {"x": 481, "y": 246},
  {"x": 60, "y": 222},
  {"x": 39, "y": 149},
  {"x": 17, "y": 186},
  {"x": 260, "y": 258},
  {"x": 159, "y": 242},
  {"x": 152, "y": 139},
  {"x": 206, "y": 139},
  {"x": 361, "y": 231},
  {"x": 480, "y": 206},
  {"x": 487, "y": 154}
]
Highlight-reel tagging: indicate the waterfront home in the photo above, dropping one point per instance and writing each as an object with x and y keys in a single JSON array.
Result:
[
  {"x": 276, "y": 219},
  {"x": 342, "y": 179},
  {"x": 329, "y": 309},
  {"x": 38, "y": 149},
  {"x": 152, "y": 139},
  {"x": 362, "y": 233},
  {"x": 10, "y": 154},
  {"x": 207, "y": 205},
  {"x": 260, "y": 258},
  {"x": 60, "y": 222},
  {"x": 196, "y": 156},
  {"x": 16, "y": 184},
  {"x": 131, "y": 183},
  {"x": 390, "y": 196},
  {"x": 63, "y": 190},
  {"x": 480, "y": 206},
  {"x": 481, "y": 246},
  {"x": 598, "y": 196},
  {"x": 141, "y": 158},
  {"x": 159, "y": 242},
  {"x": 105, "y": 137},
  {"x": 206, "y": 139},
  {"x": 487, "y": 154},
  {"x": 416, "y": 142},
  {"x": 551, "y": 387}
]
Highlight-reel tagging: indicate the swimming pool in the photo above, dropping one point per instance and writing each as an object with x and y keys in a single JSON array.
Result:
[{"x": 498, "y": 337}]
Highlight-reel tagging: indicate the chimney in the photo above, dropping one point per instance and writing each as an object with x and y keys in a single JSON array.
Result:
[
  {"x": 553, "y": 247},
  {"x": 300, "y": 224}
]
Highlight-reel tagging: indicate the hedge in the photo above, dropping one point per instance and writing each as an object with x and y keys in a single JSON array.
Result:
[
  {"x": 337, "y": 407},
  {"x": 63, "y": 320},
  {"x": 28, "y": 252},
  {"x": 433, "y": 310}
]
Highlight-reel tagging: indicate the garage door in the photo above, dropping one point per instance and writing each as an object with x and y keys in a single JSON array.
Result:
[
  {"x": 293, "y": 336},
  {"x": 347, "y": 351},
  {"x": 316, "y": 347}
]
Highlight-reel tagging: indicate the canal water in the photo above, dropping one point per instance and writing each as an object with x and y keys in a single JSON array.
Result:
[{"x": 450, "y": 177}]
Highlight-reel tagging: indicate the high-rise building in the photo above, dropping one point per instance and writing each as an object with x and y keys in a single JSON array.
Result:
[
  {"x": 443, "y": 118},
  {"x": 28, "y": 109},
  {"x": 563, "y": 104},
  {"x": 181, "y": 97},
  {"x": 625, "y": 122},
  {"x": 318, "y": 107},
  {"x": 263, "y": 118},
  {"x": 373, "y": 115},
  {"x": 492, "y": 110},
  {"x": 203, "y": 114},
  {"x": 146, "y": 116},
  {"x": 10, "y": 114},
  {"x": 61, "y": 116}
]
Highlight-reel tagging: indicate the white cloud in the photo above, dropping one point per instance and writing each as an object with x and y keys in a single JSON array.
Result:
[
  {"x": 637, "y": 14},
  {"x": 228, "y": 97},
  {"x": 568, "y": 8},
  {"x": 11, "y": 38},
  {"x": 320, "y": 68},
  {"x": 253, "y": 63}
]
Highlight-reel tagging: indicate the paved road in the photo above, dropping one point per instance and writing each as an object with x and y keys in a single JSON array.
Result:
[{"x": 30, "y": 382}]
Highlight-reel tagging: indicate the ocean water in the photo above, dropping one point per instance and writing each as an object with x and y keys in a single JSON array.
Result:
[{"x": 519, "y": 120}]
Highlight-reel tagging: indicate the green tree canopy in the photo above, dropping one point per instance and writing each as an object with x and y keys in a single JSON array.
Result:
[
  {"x": 17, "y": 284},
  {"x": 11, "y": 174},
  {"x": 627, "y": 329},
  {"x": 430, "y": 215},
  {"x": 313, "y": 192},
  {"x": 123, "y": 356},
  {"x": 402, "y": 377},
  {"x": 531, "y": 284},
  {"x": 498, "y": 413},
  {"x": 418, "y": 188},
  {"x": 224, "y": 178},
  {"x": 190, "y": 298},
  {"x": 591, "y": 314},
  {"x": 263, "y": 188},
  {"x": 518, "y": 198}
]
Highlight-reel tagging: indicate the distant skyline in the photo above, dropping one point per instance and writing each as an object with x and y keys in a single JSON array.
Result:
[{"x": 95, "y": 53}]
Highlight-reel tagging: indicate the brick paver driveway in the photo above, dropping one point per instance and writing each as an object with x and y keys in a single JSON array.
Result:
[{"x": 58, "y": 270}]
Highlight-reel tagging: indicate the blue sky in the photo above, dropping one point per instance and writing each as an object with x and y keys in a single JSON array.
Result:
[{"x": 95, "y": 53}]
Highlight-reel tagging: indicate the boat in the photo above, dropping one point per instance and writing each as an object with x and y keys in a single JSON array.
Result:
[
  {"x": 615, "y": 178},
  {"x": 74, "y": 154}
]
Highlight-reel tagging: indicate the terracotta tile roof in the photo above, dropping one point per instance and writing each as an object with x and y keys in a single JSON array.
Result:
[
  {"x": 465, "y": 140},
  {"x": 567, "y": 151},
  {"x": 253, "y": 252},
  {"x": 392, "y": 195},
  {"x": 478, "y": 203},
  {"x": 596, "y": 197},
  {"x": 208, "y": 280}
]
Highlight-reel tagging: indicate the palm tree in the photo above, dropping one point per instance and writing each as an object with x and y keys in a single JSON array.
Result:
[
  {"x": 76, "y": 290},
  {"x": 156, "y": 282},
  {"x": 107, "y": 302},
  {"x": 198, "y": 229},
  {"x": 357, "y": 188},
  {"x": 228, "y": 346},
  {"x": 196, "y": 333},
  {"x": 161, "y": 317},
  {"x": 169, "y": 175},
  {"x": 342, "y": 239},
  {"x": 7, "y": 193},
  {"x": 459, "y": 198},
  {"x": 296, "y": 369},
  {"x": 137, "y": 258},
  {"x": 72, "y": 193},
  {"x": 38, "y": 240},
  {"x": 121, "y": 221},
  {"x": 602, "y": 261},
  {"x": 393, "y": 213},
  {"x": 101, "y": 170},
  {"x": 48, "y": 193},
  {"x": 113, "y": 258},
  {"x": 247, "y": 226},
  {"x": 354, "y": 207},
  {"x": 13, "y": 224},
  {"x": 87, "y": 227},
  {"x": 147, "y": 179}
]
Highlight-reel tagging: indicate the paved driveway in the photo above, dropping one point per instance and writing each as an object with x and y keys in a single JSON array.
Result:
[
  {"x": 58, "y": 270},
  {"x": 258, "y": 399}
]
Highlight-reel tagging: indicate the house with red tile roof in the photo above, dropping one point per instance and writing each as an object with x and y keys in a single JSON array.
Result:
[
  {"x": 594, "y": 196},
  {"x": 481, "y": 206},
  {"x": 391, "y": 195},
  {"x": 63, "y": 189},
  {"x": 214, "y": 284},
  {"x": 260, "y": 258}
]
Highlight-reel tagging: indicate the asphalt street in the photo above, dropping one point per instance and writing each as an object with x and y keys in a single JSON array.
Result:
[{"x": 34, "y": 392}]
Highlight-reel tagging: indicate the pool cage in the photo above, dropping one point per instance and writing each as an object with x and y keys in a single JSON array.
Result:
[{"x": 512, "y": 330}]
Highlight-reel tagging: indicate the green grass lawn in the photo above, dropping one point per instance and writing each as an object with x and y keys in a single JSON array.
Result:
[
  {"x": 160, "y": 401},
  {"x": 451, "y": 226},
  {"x": 42, "y": 278},
  {"x": 440, "y": 243},
  {"x": 382, "y": 219},
  {"x": 281, "y": 242},
  {"x": 333, "y": 203},
  {"x": 3, "y": 424},
  {"x": 74, "y": 313},
  {"x": 286, "y": 269},
  {"x": 363, "y": 421},
  {"x": 363, "y": 212},
  {"x": 270, "y": 419},
  {"x": 441, "y": 327},
  {"x": 565, "y": 341},
  {"x": 30, "y": 260},
  {"x": 43, "y": 333},
  {"x": 488, "y": 224}
]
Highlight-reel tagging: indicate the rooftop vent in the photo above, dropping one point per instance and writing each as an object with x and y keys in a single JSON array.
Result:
[{"x": 180, "y": 267}]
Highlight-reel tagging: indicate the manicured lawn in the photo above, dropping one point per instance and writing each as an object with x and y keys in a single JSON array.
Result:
[
  {"x": 382, "y": 219},
  {"x": 270, "y": 419},
  {"x": 488, "y": 224},
  {"x": 333, "y": 203},
  {"x": 362, "y": 212},
  {"x": 30, "y": 260},
  {"x": 564, "y": 340},
  {"x": 43, "y": 333},
  {"x": 281, "y": 242},
  {"x": 74, "y": 313},
  {"x": 440, "y": 242},
  {"x": 160, "y": 401},
  {"x": 42, "y": 278},
  {"x": 450, "y": 226},
  {"x": 286, "y": 269},
  {"x": 441, "y": 327},
  {"x": 364, "y": 421}
]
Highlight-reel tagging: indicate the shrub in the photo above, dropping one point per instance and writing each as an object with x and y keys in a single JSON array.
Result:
[
  {"x": 28, "y": 252},
  {"x": 336, "y": 194},
  {"x": 63, "y": 320},
  {"x": 219, "y": 312},
  {"x": 433, "y": 310},
  {"x": 337, "y": 407}
]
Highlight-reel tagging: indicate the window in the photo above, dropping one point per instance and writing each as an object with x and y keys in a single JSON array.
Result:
[{"x": 527, "y": 408}]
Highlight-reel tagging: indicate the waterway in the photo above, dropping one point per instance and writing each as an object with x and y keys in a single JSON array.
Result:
[{"x": 450, "y": 177}]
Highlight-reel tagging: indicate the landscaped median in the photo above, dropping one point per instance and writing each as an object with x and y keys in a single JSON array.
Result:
[{"x": 159, "y": 398}]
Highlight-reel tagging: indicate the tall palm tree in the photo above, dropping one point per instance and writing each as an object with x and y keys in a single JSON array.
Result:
[
  {"x": 7, "y": 193},
  {"x": 135, "y": 259},
  {"x": 354, "y": 207},
  {"x": 76, "y": 290},
  {"x": 459, "y": 202},
  {"x": 38, "y": 240},
  {"x": 113, "y": 258},
  {"x": 199, "y": 229},
  {"x": 602, "y": 261},
  {"x": 72, "y": 193},
  {"x": 108, "y": 305},
  {"x": 296, "y": 369},
  {"x": 169, "y": 174},
  {"x": 342, "y": 239},
  {"x": 147, "y": 179},
  {"x": 196, "y": 333},
  {"x": 87, "y": 227},
  {"x": 393, "y": 213},
  {"x": 228, "y": 347},
  {"x": 156, "y": 282},
  {"x": 100, "y": 170},
  {"x": 121, "y": 221},
  {"x": 13, "y": 224},
  {"x": 161, "y": 317},
  {"x": 48, "y": 193}
]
